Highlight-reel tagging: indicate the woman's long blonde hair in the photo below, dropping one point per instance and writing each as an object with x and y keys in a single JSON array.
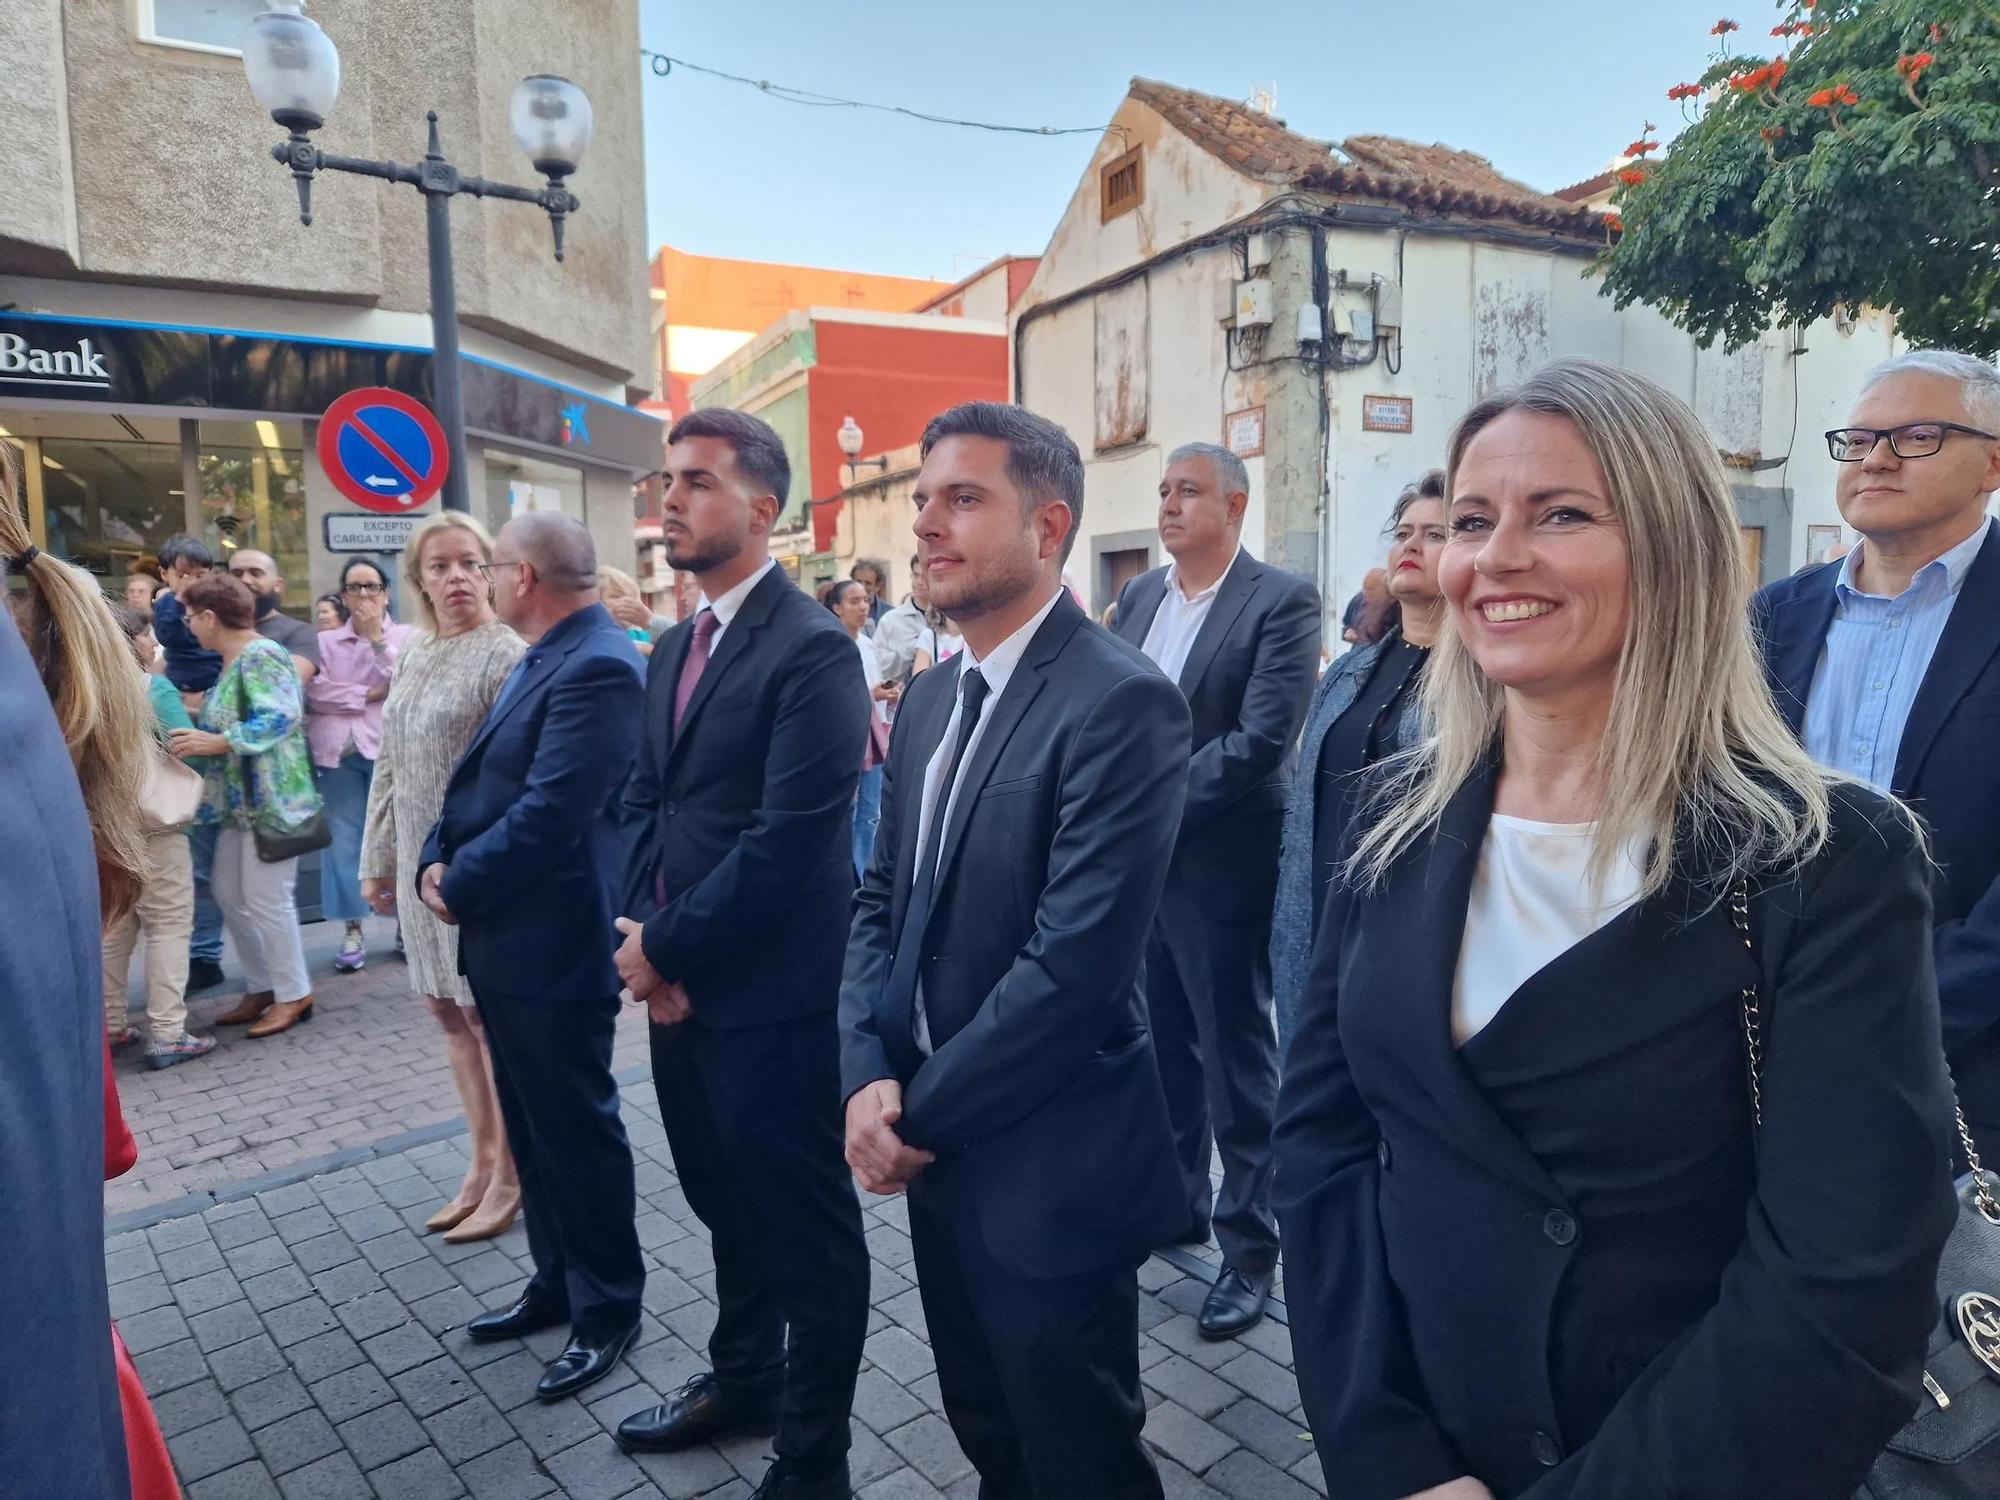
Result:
[
  {"x": 99, "y": 696},
  {"x": 413, "y": 554},
  {"x": 1696, "y": 758}
]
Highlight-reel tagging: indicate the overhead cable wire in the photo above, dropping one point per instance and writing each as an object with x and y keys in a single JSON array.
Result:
[{"x": 663, "y": 65}]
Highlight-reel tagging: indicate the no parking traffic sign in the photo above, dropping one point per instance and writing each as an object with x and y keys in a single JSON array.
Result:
[{"x": 383, "y": 450}]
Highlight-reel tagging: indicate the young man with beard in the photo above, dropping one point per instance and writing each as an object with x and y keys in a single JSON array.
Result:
[
  {"x": 756, "y": 723},
  {"x": 994, "y": 1051}
]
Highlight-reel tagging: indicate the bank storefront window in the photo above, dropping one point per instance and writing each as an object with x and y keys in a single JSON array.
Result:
[
  {"x": 253, "y": 495},
  {"x": 517, "y": 483},
  {"x": 104, "y": 491}
]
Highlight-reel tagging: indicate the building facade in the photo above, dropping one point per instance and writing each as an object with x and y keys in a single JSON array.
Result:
[
  {"x": 1329, "y": 312},
  {"x": 170, "y": 333}
]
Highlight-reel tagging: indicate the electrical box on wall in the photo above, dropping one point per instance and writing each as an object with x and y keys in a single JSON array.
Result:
[
  {"x": 1389, "y": 305},
  {"x": 1225, "y": 302},
  {"x": 1361, "y": 326},
  {"x": 1257, "y": 251},
  {"x": 1312, "y": 329},
  {"x": 1254, "y": 302}
]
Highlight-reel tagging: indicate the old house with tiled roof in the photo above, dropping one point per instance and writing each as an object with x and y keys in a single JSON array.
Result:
[{"x": 1329, "y": 310}]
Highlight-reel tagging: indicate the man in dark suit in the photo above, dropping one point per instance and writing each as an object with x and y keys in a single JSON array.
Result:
[
  {"x": 1242, "y": 640},
  {"x": 518, "y": 862},
  {"x": 60, "y": 1428},
  {"x": 756, "y": 725},
  {"x": 1888, "y": 664},
  {"x": 995, "y": 1054}
]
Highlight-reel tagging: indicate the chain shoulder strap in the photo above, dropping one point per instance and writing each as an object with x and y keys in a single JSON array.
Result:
[{"x": 1753, "y": 1043}]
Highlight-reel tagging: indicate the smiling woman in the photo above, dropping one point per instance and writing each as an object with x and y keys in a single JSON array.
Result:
[{"x": 1542, "y": 1237}]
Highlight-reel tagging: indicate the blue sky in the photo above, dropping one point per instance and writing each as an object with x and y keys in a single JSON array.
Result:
[{"x": 1548, "y": 90}]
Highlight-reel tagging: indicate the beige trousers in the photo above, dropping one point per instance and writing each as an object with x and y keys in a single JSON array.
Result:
[{"x": 165, "y": 914}]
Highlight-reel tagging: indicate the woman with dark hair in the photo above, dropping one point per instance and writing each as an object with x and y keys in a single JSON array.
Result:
[
  {"x": 356, "y": 662},
  {"x": 329, "y": 612},
  {"x": 1364, "y": 708},
  {"x": 850, "y": 600},
  {"x": 259, "y": 773}
]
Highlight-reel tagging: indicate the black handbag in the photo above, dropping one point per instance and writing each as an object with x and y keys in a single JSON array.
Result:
[
  {"x": 273, "y": 845},
  {"x": 1950, "y": 1448}
]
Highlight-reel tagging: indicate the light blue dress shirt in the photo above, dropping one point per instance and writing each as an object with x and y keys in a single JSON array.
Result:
[{"x": 1876, "y": 654}]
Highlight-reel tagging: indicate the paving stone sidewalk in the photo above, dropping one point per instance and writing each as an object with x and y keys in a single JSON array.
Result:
[
  {"x": 369, "y": 1066},
  {"x": 306, "y": 1341}
]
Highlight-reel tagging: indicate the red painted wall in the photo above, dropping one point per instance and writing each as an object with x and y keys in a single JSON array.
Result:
[{"x": 892, "y": 381}]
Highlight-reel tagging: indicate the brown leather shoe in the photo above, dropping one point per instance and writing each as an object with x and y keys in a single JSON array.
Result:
[
  {"x": 283, "y": 1017},
  {"x": 249, "y": 1008}
]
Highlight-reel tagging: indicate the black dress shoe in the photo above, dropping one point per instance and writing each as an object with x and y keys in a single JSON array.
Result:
[
  {"x": 584, "y": 1362},
  {"x": 203, "y": 974},
  {"x": 695, "y": 1413},
  {"x": 1234, "y": 1303},
  {"x": 784, "y": 1480},
  {"x": 528, "y": 1315}
]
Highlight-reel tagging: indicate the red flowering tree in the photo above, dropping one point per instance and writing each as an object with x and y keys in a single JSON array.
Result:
[{"x": 1860, "y": 163}]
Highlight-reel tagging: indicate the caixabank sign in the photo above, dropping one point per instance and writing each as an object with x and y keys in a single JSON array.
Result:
[{"x": 124, "y": 364}]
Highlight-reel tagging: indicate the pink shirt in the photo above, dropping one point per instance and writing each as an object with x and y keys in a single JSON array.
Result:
[{"x": 340, "y": 712}]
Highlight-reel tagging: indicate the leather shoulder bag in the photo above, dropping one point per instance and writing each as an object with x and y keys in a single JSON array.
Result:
[{"x": 1950, "y": 1449}]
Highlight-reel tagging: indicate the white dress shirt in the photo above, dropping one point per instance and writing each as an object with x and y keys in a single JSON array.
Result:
[
  {"x": 726, "y": 607},
  {"x": 1171, "y": 635},
  {"x": 997, "y": 667},
  {"x": 1530, "y": 904}
]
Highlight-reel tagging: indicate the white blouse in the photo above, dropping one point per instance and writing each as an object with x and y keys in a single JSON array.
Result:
[{"x": 1531, "y": 903}]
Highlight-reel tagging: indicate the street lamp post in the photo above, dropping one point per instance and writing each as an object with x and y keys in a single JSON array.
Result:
[
  {"x": 850, "y": 438},
  {"x": 294, "y": 71}
]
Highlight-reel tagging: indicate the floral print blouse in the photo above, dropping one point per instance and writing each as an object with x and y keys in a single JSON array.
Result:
[{"x": 258, "y": 706}]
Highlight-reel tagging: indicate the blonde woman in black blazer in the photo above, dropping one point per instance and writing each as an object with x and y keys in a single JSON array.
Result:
[{"x": 1536, "y": 1243}]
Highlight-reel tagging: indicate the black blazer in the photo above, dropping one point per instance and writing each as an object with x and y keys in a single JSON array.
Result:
[
  {"x": 1947, "y": 770},
  {"x": 530, "y": 855},
  {"x": 61, "y": 1432},
  {"x": 1557, "y": 1258},
  {"x": 747, "y": 815},
  {"x": 1042, "y": 1099},
  {"x": 1248, "y": 679}
]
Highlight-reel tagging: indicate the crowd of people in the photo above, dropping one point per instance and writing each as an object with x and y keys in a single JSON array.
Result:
[{"x": 1565, "y": 976}]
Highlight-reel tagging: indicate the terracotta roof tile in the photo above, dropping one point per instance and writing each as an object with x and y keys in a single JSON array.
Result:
[{"x": 1434, "y": 179}]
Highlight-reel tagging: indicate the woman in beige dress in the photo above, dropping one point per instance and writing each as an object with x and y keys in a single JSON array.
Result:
[{"x": 446, "y": 681}]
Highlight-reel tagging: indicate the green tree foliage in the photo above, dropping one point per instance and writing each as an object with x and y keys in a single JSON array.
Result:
[{"x": 1861, "y": 165}]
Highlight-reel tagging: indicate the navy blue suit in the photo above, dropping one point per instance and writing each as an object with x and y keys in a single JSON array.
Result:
[
  {"x": 1947, "y": 771},
  {"x": 60, "y": 1431},
  {"x": 526, "y": 844}
]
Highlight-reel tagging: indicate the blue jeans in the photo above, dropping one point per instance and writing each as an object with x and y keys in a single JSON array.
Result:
[
  {"x": 867, "y": 813},
  {"x": 344, "y": 790},
  {"x": 206, "y": 941}
]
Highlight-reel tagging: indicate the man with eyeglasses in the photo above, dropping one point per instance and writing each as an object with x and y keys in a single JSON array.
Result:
[{"x": 1887, "y": 663}]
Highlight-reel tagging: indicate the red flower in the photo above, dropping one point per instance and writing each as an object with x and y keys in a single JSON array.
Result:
[
  {"x": 1822, "y": 99},
  {"x": 1723, "y": 28},
  {"x": 1631, "y": 177},
  {"x": 1682, "y": 91},
  {"x": 1911, "y": 67},
  {"x": 1937, "y": 32},
  {"x": 1640, "y": 148},
  {"x": 1777, "y": 71},
  {"x": 1772, "y": 132},
  {"x": 1846, "y": 95},
  {"x": 1613, "y": 223}
]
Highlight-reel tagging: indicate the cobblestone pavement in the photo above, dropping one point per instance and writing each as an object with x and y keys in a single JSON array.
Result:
[
  {"x": 369, "y": 1066},
  {"x": 303, "y": 1339}
]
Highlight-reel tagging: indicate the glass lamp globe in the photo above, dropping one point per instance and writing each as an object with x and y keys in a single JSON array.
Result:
[
  {"x": 849, "y": 437},
  {"x": 293, "y": 66},
  {"x": 551, "y": 118}
]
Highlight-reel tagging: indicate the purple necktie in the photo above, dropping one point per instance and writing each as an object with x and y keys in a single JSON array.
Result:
[{"x": 705, "y": 626}]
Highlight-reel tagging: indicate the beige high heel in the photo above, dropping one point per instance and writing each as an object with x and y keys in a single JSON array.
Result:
[
  {"x": 489, "y": 1223},
  {"x": 450, "y": 1216}
]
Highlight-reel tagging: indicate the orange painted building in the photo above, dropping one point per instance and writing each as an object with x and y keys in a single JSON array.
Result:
[{"x": 705, "y": 308}]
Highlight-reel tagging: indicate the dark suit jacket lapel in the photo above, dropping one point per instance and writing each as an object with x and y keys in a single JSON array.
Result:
[
  {"x": 1234, "y": 592},
  {"x": 1970, "y": 638},
  {"x": 923, "y": 740},
  {"x": 543, "y": 658},
  {"x": 754, "y": 613},
  {"x": 1013, "y": 704},
  {"x": 1429, "y": 891},
  {"x": 1794, "y": 637},
  {"x": 1148, "y": 593}
]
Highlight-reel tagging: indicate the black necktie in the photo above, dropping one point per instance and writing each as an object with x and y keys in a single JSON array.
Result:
[{"x": 923, "y": 883}]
